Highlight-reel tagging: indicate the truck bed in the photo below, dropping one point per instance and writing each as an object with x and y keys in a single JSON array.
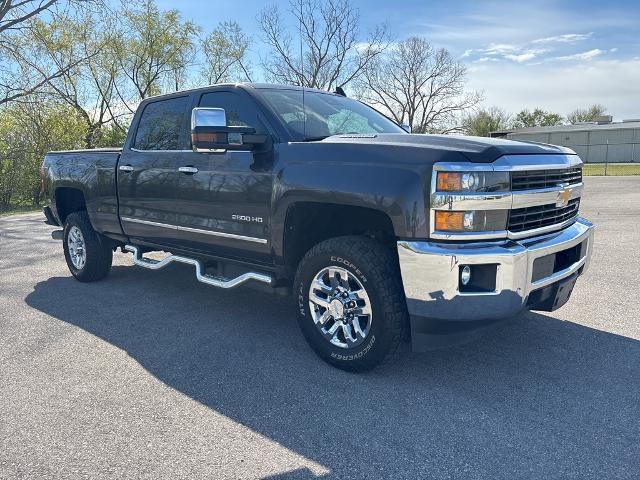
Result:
[{"x": 92, "y": 172}]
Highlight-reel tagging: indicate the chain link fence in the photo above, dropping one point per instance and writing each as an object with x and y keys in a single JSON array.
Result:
[
  {"x": 611, "y": 169},
  {"x": 618, "y": 158},
  {"x": 605, "y": 149}
]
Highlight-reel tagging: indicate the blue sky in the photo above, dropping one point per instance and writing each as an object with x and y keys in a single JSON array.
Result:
[{"x": 558, "y": 55}]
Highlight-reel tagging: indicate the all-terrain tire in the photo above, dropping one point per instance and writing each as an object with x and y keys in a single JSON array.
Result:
[
  {"x": 376, "y": 268},
  {"x": 98, "y": 257}
]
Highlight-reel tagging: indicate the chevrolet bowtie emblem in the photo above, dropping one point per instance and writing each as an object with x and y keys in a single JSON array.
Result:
[{"x": 562, "y": 200}]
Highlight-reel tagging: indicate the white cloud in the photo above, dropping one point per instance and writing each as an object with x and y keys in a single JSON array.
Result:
[
  {"x": 493, "y": 49},
  {"x": 523, "y": 57},
  {"x": 496, "y": 51},
  {"x": 560, "y": 87},
  {"x": 588, "y": 55},
  {"x": 565, "y": 38},
  {"x": 499, "y": 49},
  {"x": 485, "y": 59},
  {"x": 524, "y": 53}
]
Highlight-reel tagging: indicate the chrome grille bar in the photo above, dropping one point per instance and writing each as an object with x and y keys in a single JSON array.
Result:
[
  {"x": 522, "y": 219},
  {"x": 534, "y": 179}
]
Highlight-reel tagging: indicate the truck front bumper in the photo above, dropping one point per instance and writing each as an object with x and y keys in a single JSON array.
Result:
[{"x": 506, "y": 277}]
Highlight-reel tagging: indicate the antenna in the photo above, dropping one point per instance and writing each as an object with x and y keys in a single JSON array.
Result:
[{"x": 304, "y": 110}]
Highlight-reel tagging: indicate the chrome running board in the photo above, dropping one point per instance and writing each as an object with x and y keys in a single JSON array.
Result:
[{"x": 203, "y": 277}]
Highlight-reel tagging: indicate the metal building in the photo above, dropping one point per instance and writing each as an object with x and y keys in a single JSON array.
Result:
[{"x": 595, "y": 142}]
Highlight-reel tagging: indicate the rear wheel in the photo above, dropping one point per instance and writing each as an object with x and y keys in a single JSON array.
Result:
[
  {"x": 351, "y": 306},
  {"x": 88, "y": 256}
]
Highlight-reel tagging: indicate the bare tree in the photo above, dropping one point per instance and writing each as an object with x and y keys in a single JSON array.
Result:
[
  {"x": 419, "y": 85},
  {"x": 225, "y": 52},
  {"x": 14, "y": 15},
  {"x": 326, "y": 51}
]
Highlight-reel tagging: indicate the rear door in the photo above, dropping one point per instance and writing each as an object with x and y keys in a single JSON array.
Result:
[
  {"x": 224, "y": 201},
  {"x": 148, "y": 171}
]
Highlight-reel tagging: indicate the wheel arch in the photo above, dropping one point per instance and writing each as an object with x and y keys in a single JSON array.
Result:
[
  {"x": 308, "y": 223},
  {"x": 68, "y": 200}
]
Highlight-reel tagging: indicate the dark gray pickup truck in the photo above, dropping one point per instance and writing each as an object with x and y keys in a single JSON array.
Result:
[{"x": 383, "y": 237}]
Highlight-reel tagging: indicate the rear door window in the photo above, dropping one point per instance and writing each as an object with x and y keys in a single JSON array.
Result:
[{"x": 162, "y": 125}]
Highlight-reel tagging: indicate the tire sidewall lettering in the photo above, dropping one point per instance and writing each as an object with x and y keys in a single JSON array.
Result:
[
  {"x": 351, "y": 265},
  {"x": 355, "y": 356},
  {"x": 301, "y": 303}
]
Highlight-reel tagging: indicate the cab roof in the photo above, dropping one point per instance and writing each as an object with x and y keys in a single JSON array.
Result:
[{"x": 245, "y": 85}]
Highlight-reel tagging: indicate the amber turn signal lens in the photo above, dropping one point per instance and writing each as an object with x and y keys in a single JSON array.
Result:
[
  {"x": 450, "y": 221},
  {"x": 449, "y": 181},
  {"x": 207, "y": 137}
]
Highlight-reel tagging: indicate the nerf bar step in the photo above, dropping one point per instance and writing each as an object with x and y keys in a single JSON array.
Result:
[{"x": 203, "y": 277}]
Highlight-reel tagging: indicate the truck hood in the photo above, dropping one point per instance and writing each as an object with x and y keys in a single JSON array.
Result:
[{"x": 475, "y": 149}]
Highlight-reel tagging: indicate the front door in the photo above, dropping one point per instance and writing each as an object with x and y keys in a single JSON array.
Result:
[
  {"x": 148, "y": 172},
  {"x": 224, "y": 198}
]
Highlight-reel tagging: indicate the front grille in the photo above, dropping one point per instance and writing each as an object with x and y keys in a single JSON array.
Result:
[
  {"x": 521, "y": 219},
  {"x": 536, "y": 179}
]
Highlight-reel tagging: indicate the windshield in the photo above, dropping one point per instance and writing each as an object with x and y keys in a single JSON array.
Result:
[{"x": 326, "y": 114}]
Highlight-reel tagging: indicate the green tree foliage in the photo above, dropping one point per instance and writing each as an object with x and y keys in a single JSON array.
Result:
[
  {"x": 537, "y": 118},
  {"x": 482, "y": 122},
  {"x": 72, "y": 73},
  {"x": 89, "y": 88},
  {"x": 155, "y": 49},
  {"x": 586, "y": 114},
  {"x": 27, "y": 132}
]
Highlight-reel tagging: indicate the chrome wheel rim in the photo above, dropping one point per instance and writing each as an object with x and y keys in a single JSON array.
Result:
[
  {"x": 340, "y": 307},
  {"x": 76, "y": 246}
]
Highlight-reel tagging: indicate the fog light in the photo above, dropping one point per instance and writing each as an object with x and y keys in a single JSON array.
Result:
[{"x": 465, "y": 275}]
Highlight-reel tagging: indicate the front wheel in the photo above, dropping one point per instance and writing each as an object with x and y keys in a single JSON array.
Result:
[
  {"x": 351, "y": 306},
  {"x": 88, "y": 257}
]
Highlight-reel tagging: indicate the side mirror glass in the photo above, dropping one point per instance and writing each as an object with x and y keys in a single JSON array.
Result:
[
  {"x": 406, "y": 127},
  {"x": 210, "y": 133}
]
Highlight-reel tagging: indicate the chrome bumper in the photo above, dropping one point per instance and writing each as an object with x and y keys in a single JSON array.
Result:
[{"x": 430, "y": 273}]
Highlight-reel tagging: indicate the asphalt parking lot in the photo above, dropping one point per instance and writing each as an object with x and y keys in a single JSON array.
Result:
[{"x": 154, "y": 375}]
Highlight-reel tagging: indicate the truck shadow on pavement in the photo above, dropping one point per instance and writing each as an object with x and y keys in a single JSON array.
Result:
[{"x": 534, "y": 397}]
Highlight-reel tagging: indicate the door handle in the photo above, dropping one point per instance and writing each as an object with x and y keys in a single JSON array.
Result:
[
  {"x": 190, "y": 170},
  {"x": 126, "y": 168}
]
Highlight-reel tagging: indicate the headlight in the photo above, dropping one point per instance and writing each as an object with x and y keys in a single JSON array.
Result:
[
  {"x": 470, "y": 221},
  {"x": 472, "y": 182}
]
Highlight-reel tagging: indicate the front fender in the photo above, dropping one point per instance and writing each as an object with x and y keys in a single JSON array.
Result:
[{"x": 395, "y": 191}]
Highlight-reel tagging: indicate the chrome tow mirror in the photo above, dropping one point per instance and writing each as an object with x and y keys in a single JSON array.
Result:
[{"x": 210, "y": 133}]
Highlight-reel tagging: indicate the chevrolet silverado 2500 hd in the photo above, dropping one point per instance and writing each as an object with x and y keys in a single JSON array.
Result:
[{"x": 382, "y": 236}]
